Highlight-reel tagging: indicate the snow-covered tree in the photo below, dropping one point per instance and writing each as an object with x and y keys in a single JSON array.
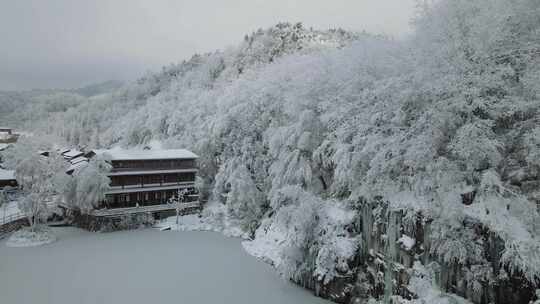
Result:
[
  {"x": 38, "y": 178},
  {"x": 27, "y": 146},
  {"x": 87, "y": 187}
]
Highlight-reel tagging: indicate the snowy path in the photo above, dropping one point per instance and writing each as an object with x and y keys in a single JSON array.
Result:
[{"x": 144, "y": 266}]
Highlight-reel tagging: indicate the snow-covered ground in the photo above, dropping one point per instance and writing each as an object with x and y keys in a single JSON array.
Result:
[
  {"x": 144, "y": 266},
  {"x": 194, "y": 222},
  {"x": 191, "y": 222}
]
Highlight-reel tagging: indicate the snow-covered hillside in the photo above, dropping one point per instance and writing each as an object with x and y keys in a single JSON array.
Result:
[{"x": 311, "y": 141}]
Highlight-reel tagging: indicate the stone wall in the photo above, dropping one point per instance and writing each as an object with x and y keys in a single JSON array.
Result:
[
  {"x": 123, "y": 222},
  {"x": 12, "y": 226},
  {"x": 108, "y": 224}
]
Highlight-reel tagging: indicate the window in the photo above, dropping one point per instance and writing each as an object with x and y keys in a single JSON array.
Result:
[
  {"x": 123, "y": 198},
  {"x": 187, "y": 177}
]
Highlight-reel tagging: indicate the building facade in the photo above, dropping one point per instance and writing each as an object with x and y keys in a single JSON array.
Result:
[{"x": 146, "y": 177}]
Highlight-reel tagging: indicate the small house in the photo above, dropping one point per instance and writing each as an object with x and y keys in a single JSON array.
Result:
[
  {"x": 7, "y": 135},
  {"x": 7, "y": 178},
  {"x": 5, "y": 130}
]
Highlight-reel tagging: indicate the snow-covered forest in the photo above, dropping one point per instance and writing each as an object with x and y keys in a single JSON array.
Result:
[{"x": 358, "y": 165}]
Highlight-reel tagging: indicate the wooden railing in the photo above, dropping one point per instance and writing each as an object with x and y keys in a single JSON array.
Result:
[
  {"x": 11, "y": 218},
  {"x": 158, "y": 167},
  {"x": 17, "y": 215},
  {"x": 152, "y": 185}
]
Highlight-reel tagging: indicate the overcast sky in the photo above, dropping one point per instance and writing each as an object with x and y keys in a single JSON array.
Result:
[{"x": 71, "y": 43}]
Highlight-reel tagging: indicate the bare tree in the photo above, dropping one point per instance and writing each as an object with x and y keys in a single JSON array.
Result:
[
  {"x": 3, "y": 203},
  {"x": 178, "y": 200}
]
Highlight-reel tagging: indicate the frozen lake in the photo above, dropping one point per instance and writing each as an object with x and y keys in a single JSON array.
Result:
[{"x": 144, "y": 266}]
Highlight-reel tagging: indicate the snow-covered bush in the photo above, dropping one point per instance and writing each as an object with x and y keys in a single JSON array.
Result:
[
  {"x": 30, "y": 237},
  {"x": 129, "y": 221},
  {"x": 306, "y": 236}
]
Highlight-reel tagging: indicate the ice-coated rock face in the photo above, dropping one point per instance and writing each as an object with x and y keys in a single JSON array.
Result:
[{"x": 420, "y": 268}]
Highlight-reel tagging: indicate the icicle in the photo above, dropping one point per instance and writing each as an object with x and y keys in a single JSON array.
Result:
[
  {"x": 367, "y": 224},
  {"x": 390, "y": 255}
]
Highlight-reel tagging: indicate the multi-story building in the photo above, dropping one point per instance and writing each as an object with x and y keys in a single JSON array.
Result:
[{"x": 149, "y": 177}]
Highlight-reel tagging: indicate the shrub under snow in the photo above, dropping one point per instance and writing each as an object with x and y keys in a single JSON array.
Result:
[
  {"x": 28, "y": 237},
  {"x": 306, "y": 235}
]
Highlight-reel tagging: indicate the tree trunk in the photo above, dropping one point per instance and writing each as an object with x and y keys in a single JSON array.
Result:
[{"x": 32, "y": 221}]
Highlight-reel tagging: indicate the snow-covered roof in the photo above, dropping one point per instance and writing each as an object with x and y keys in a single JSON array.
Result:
[
  {"x": 4, "y": 146},
  {"x": 72, "y": 154},
  {"x": 75, "y": 167},
  {"x": 7, "y": 174},
  {"x": 140, "y": 154},
  {"x": 78, "y": 159}
]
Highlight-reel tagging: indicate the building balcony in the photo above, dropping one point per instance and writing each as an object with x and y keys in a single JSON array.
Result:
[
  {"x": 150, "y": 187},
  {"x": 138, "y": 171}
]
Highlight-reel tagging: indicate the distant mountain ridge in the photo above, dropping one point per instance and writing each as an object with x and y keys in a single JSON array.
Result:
[
  {"x": 25, "y": 109},
  {"x": 261, "y": 47},
  {"x": 99, "y": 88}
]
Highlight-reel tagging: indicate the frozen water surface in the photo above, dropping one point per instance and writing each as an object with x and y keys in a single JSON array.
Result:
[{"x": 144, "y": 266}]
